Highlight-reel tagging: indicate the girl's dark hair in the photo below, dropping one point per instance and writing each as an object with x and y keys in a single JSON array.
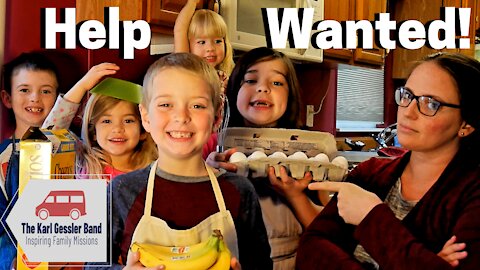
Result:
[
  {"x": 291, "y": 117},
  {"x": 465, "y": 71},
  {"x": 29, "y": 61}
]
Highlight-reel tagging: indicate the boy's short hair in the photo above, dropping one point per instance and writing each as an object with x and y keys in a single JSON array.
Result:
[
  {"x": 186, "y": 61},
  {"x": 31, "y": 61}
]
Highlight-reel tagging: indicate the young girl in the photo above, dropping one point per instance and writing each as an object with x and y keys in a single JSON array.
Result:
[
  {"x": 179, "y": 200},
  {"x": 30, "y": 89},
  {"x": 114, "y": 141},
  {"x": 204, "y": 33},
  {"x": 265, "y": 91}
]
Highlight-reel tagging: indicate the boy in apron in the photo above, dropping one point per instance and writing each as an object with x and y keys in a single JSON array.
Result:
[{"x": 179, "y": 200}]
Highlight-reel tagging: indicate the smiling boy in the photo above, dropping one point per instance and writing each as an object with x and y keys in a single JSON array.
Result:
[{"x": 179, "y": 200}]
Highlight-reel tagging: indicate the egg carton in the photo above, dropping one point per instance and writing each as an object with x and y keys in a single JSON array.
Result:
[
  {"x": 297, "y": 165},
  {"x": 288, "y": 141}
]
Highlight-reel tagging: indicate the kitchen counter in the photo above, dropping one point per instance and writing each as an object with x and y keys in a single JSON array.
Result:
[{"x": 355, "y": 157}]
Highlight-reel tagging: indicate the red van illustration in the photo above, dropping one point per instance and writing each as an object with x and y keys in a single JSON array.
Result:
[{"x": 62, "y": 203}]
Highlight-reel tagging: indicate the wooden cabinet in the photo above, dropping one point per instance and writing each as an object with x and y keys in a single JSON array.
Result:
[
  {"x": 160, "y": 14},
  {"x": 366, "y": 10},
  {"x": 351, "y": 10},
  {"x": 339, "y": 10},
  {"x": 94, "y": 9},
  {"x": 425, "y": 11}
]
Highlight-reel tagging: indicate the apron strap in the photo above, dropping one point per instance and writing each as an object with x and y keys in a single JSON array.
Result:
[
  {"x": 151, "y": 181},
  {"x": 149, "y": 196},
  {"x": 216, "y": 189}
]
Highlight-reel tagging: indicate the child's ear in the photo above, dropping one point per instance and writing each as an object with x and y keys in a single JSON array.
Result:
[
  {"x": 217, "y": 120},
  {"x": 145, "y": 118},
  {"x": 6, "y": 99}
]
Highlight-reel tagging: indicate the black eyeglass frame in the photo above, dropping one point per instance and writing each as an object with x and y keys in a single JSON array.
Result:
[{"x": 417, "y": 98}]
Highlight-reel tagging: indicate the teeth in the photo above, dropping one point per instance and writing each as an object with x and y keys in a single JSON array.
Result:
[
  {"x": 179, "y": 135},
  {"x": 36, "y": 110},
  {"x": 258, "y": 103},
  {"x": 118, "y": 140}
]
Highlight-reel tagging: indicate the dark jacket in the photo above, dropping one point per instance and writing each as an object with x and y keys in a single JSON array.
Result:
[{"x": 450, "y": 207}]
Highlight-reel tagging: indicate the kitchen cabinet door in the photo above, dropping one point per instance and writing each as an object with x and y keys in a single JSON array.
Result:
[
  {"x": 425, "y": 11},
  {"x": 473, "y": 5},
  {"x": 339, "y": 10},
  {"x": 351, "y": 10},
  {"x": 94, "y": 9},
  {"x": 422, "y": 11},
  {"x": 161, "y": 14},
  {"x": 366, "y": 10}
]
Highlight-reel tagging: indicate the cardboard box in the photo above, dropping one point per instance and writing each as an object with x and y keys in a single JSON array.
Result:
[
  {"x": 287, "y": 141},
  {"x": 44, "y": 154}
]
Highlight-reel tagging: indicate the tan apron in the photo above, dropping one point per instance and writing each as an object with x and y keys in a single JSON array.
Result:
[{"x": 156, "y": 231}]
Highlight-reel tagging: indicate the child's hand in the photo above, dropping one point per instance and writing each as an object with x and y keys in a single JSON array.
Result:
[
  {"x": 220, "y": 160},
  {"x": 452, "y": 253},
  {"x": 324, "y": 197},
  {"x": 87, "y": 82},
  {"x": 133, "y": 262},
  {"x": 235, "y": 264},
  {"x": 96, "y": 73},
  {"x": 286, "y": 185},
  {"x": 216, "y": 6}
]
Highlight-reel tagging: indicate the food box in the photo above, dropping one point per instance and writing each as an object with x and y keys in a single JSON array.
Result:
[
  {"x": 44, "y": 154},
  {"x": 297, "y": 150}
]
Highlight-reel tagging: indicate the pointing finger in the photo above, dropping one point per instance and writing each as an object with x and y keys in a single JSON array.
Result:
[{"x": 327, "y": 186}]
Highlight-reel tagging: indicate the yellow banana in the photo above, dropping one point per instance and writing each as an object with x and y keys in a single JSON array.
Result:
[
  {"x": 164, "y": 253},
  {"x": 223, "y": 260},
  {"x": 199, "y": 260}
]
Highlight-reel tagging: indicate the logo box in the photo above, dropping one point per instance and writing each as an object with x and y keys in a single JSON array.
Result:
[{"x": 44, "y": 154}]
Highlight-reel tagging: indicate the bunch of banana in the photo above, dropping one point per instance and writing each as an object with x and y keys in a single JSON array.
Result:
[
  {"x": 202, "y": 256},
  {"x": 223, "y": 260}
]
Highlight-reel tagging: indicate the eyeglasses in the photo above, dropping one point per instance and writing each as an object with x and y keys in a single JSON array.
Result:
[{"x": 426, "y": 105}]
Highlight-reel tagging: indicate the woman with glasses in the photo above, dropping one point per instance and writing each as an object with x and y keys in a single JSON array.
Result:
[{"x": 405, "y": 213}]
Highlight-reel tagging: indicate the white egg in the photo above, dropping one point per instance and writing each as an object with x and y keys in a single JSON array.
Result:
[
  {"x": 320, "y": 157},
  {"x": 278, "y": 155},
  {"x": 257, "y": 155},
  {"x": 238, "y": 157},
  {"x": 298, "y": 156},
  {"x": 341, "y": 162}
]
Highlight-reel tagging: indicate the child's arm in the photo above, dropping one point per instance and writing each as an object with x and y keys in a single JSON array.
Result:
[
  {"x": 293, "y": 190},
  {"x": 66, "y": 107},
  {"x": 180, "y": 30},
  {"x": 87, "y": 82},
  {"x": 452, "y": 253}
]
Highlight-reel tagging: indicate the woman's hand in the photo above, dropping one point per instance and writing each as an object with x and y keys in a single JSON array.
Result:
[
  {"x": 220, "y": 160},
  {"x": 133, "y": 263},
  {"x": 453, "y": 252},
  {"x": 353, "y": 202}
]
